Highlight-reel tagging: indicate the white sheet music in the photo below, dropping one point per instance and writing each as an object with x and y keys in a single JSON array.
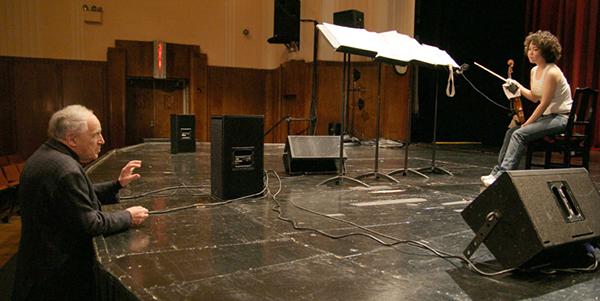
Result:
[
  {"x": 351, "y": 40},
  {"x": 389, "y": 46}
]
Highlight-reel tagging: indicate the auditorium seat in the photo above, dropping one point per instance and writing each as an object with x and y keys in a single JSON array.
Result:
[
  {"x": 12, "y": 174},
  {"x": 4, "y": 160},
  {"x": 15, "y": 159},
  {"x": 8, "y": 198}
]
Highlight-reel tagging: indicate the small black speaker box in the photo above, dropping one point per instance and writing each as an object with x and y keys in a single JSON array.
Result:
[
  {"x": 286, "y": 22},
  {"x": 236, "y": 155},
  {"x": 183, "y": 137},
  {"x": 349, "y": 18},
  {"x": 544, "y": 215},
  {"x": 312, "y": 154}
]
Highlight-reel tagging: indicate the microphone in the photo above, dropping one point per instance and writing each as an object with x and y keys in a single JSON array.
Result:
[{"x": 464, "y": 67}]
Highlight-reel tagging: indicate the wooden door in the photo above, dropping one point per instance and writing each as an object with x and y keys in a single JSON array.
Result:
[{"x": 150, "y": 103}]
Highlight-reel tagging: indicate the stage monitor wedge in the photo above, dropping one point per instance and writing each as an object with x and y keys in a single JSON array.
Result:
[
  {"x": 312, "y": 154},
  {"x": 543, "y": 215}
]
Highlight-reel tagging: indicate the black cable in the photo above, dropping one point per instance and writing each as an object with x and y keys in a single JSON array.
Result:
[
  {"x": 394, "y": 241},
  {"x": 129, "y": 197},
  {"x": 483, "y": 94},
  {"x": 207, "y": 205}
]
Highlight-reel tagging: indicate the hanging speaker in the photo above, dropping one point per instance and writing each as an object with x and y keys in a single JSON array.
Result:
[
  {"x": 312, "y": 154},
  {"x": 286, "y": 23},
  {"x": 539, "y": 215}
]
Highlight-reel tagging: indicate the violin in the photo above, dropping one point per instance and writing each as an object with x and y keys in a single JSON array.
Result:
[{"x": 516, "y": 107}]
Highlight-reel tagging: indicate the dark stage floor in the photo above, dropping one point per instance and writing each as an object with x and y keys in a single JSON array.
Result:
[{"x": 243, "y": 251}]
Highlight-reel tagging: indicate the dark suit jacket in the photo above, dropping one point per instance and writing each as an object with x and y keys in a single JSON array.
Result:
[{"x": 60, "y": 214}]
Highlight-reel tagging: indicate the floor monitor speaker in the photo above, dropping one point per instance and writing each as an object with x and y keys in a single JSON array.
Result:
[
  {"x": 312, "y": 154},
  {"x": 183, "y": 137},
  {"x": 542, "y": 215},
  {"x": 236, "y": 155}
]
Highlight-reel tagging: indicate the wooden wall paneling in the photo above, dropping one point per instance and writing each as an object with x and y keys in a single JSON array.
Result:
[
  {"x": 139, "y": 110},
  {"x": 361, "y": 122},
  {"x": 236, "y": 91},
  {"x": 198, "y": 94},
  {"x": 7, "y": 138},
  {"x": 167, "y": 100},
  {"x": 36, "y": 94},
  {"x": 329, "y": 95},
  {"x": 394, "y": 108},
  {"x": 85, "y": 83},
  {"x": 140, "y": 60},
  {"x": 273, "y": 107},
  {"x": 179, "y": 60},
  {"x": 116, "y": 91},
  {"x": 296, "y": 78}
]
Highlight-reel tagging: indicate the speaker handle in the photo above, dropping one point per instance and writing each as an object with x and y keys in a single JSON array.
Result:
[{"x": 491, "y": 220}]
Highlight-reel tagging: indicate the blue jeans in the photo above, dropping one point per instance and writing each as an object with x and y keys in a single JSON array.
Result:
[{"x": 516, "y": 139}]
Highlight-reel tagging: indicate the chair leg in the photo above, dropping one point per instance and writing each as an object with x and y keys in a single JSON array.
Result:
[
  {"x": 567, "y": 158},
  {"x": 547, "y": 158},
  {"x": 585, "y": 159}
]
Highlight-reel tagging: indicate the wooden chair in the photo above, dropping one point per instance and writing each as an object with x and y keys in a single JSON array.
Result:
[
  {"x": 8, "y": 198},
  {"x": 4, "y": 160},
  {"x": 12, "y": 174},
  {"x": 577, "y": 139},
  {"x": 15, "y": 159}
]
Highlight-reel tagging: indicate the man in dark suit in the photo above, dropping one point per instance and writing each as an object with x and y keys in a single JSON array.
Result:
[{"x": 61, "y": 210}]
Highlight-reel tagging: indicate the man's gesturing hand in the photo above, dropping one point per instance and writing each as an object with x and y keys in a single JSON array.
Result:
[{"x": 127, "y": 174}]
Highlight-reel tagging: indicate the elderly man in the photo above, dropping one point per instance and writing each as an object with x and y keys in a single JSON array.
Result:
[{"x": 61, "y": 212}]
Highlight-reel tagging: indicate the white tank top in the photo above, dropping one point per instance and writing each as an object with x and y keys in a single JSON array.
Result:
[{"x": 561, "y": 100}]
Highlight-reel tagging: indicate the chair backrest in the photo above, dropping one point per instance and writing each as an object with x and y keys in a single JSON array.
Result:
[
  {"x": 583, "y": 115},
  {"x": 12, "y": 173},
  {"x": 4, "y": 160},
  {"x": 15, "y": 158},
  {"x": 3, "y": 181}
]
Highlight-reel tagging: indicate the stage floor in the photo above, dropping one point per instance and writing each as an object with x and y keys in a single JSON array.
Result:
[{"x": 244, "y": 250}]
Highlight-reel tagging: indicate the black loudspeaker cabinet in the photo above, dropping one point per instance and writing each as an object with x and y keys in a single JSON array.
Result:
[
  {"x": 286, "y": 23},
  {"x": 349, "y": 18},
  {"x": 236, "y": 155},
  {"x": 312, "y": 154},
  {"x": 183, "y": 133},
  {"x": 544, "y": 215}
]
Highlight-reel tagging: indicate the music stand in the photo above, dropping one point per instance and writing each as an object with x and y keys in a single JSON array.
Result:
[
  {"x": 375, "y": 173},
  {"x": 406, "y": 170},
  {"x": 345, "y": 85},
  {"x": 434, "y": 168}
]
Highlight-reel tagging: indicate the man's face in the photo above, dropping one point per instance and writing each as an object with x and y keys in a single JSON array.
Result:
[{"x": 88, "y": 143}]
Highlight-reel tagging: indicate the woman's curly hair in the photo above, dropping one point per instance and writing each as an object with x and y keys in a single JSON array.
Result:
[{"x": 546, "y": 42}]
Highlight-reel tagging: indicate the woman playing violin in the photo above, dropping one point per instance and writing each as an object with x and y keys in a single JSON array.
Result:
[{"x": 550, "y": 89}]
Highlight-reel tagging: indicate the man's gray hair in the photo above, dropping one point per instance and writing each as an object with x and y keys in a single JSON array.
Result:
[{"x": 70, "y": 119}]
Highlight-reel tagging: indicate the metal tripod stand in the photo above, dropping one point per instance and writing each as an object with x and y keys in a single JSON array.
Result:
[
  {"x": 341, "y": 176},
  {"x": 375, "y": 173}
]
